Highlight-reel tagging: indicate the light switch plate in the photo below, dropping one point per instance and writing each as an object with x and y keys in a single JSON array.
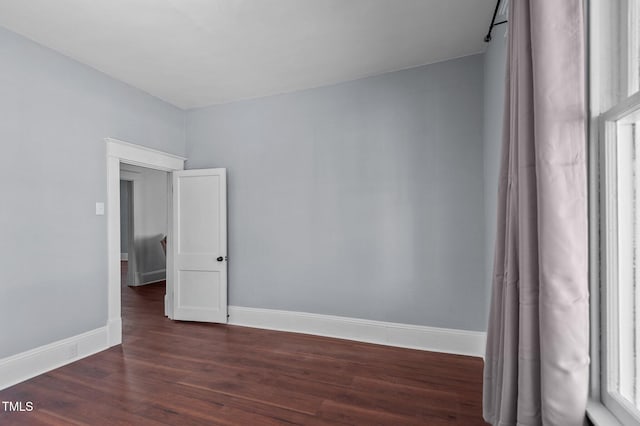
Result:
[{"x": 99, "y": 209}]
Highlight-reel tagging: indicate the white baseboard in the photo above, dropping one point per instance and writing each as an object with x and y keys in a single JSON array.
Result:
[
  {"x": 124, "y": 256},
  {"x": 151, "y": 277},
  {"x": 461, "y": 342},
  {"x": 25, "y": 365},
  {"x": 114, "y": 332}
]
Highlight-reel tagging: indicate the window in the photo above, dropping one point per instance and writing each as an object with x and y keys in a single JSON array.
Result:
[
  {"x": 615, "y": 216},
  {"x": 621, "y": 259}
]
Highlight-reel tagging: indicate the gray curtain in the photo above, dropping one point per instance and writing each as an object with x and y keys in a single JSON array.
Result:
[{"x": 537, "y": 358}]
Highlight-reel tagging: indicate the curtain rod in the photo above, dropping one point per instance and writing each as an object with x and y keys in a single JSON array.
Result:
[{"x": 487, "y": 38}]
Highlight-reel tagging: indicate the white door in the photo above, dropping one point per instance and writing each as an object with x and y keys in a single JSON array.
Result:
[{"x": 199, "y": 246}]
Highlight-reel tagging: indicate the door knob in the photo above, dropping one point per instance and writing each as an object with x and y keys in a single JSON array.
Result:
[{"x": 220, "y": 259}]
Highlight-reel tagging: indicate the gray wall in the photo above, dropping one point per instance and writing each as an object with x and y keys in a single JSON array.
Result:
[
  {"x": 495, "y": 59},
  {"x": 54, "y": 115},
  {"x": 363, "y": 199}
]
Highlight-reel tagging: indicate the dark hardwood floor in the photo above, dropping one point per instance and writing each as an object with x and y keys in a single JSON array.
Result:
[{"x": 181, "y": 373}]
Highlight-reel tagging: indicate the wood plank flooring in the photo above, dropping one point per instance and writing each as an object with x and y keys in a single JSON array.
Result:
[{"x": 182, "y": 373}]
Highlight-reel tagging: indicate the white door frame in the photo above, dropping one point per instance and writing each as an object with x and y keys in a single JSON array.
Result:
[{"x": 123, "y": 152}]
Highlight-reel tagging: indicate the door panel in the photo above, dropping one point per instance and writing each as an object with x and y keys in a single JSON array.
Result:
[
  {"x": 200, "y": 248},
  {"x": 200, "y": 205}
]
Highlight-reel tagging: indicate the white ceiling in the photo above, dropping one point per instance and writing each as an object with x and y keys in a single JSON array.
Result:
[{"x": 194, "y": 53}]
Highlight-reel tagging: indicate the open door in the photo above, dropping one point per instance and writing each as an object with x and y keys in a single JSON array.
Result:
[{"x": 199, "y": 246}]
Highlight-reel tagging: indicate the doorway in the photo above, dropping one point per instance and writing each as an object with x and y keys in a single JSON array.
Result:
[
  {"x": 144, "y": 206},
  {"x": 143, "y": 230},
  {"x": 118, "y": 153}
]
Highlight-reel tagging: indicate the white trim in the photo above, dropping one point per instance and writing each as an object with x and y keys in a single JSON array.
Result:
[
  {"x": 25, "y": 365},
  {"x": 139, "y": 155},
  {"x": 609, "y": 101},
  {"x": 124, "y": 152},
  {"x": 600, "y": 415},
  {"x": 461, "y": 342},
  {"x": 609, "y": 263},
  {"x": 157, "y": 271},
  {"x": 609, "y": 255},
  {"x": 152, "y": 277},
  {"x": 622, "y": 108},
  {"x": 114, "y": 332}
]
